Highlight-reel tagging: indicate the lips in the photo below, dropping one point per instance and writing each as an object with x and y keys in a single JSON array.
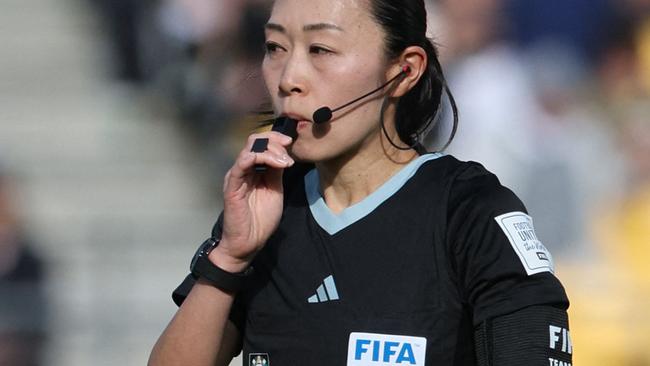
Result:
[{"x": 296, "y": 116}]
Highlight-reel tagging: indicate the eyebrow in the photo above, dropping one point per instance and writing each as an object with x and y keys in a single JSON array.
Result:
[{"x": 306, "y": 28}]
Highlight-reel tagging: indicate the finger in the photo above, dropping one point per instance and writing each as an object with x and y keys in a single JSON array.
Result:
[
  {"x": 240, "y": 175},
  {"x": 273, "y": 159},
  {"x": 272, "y": 136},
  {"x": 266, "y": 146},
  {"x": 263, "y": 144},
  {"x": 244, "y": 165},
  {"x": 277, "y": 149},
  {"x": 271, "y": 146},
  {"x": 242, "y": 178}
]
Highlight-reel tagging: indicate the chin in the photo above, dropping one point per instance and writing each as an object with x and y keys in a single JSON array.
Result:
[
  {"x": 303, "y": 153},
  {"x": 309, "y": 152}
]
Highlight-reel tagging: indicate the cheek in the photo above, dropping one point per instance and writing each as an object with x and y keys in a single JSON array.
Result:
[
  {"x": 271, "y": 78},
  {"x": 359, "y": 73}
]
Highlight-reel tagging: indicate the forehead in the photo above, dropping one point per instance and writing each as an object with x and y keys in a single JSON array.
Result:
[{"x": 346, "y": 14}]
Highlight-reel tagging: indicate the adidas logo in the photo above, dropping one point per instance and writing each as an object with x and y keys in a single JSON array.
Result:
[{"x": 325, "y": 292}]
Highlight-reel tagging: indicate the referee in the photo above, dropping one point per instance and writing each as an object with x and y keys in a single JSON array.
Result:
[{"x": 342, "y": 240}]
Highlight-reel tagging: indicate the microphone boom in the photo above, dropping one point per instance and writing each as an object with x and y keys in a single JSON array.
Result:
[{"x": 324, "y": 114}]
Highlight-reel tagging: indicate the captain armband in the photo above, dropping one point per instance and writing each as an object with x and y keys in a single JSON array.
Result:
[{"x": 536, "y": 335}]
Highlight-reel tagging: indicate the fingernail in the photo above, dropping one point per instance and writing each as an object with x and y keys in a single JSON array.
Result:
[{"x": 286, "y": 160}]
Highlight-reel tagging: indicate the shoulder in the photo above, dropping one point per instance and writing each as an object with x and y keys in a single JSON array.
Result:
[
  {"x": 465, "y": 181},
  {"x": 498, "y": 260},
  {"x": 472, "y": 186}
]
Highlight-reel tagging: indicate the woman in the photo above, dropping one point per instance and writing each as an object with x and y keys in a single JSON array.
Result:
[{"x": 369, "y": 251}]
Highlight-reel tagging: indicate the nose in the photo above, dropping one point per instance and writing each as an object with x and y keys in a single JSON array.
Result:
[{"x": 293, "y": 80}]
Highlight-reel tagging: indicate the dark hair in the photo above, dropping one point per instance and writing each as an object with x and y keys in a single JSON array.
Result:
[{"x": 405, "y": 24}]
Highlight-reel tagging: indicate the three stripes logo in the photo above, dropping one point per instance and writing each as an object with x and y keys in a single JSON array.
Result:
[{"x": 325, "y": 292}]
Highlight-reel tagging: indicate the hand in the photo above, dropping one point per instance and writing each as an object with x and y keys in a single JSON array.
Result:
[{"x": 252, "y": 202}]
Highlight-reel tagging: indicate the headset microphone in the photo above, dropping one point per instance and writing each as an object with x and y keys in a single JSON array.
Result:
[
  {"x": 324, "y": 114},
  {"x": 287, "y": 125}
]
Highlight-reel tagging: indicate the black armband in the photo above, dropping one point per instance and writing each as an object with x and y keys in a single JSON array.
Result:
[{"x": 536, "y": 335}]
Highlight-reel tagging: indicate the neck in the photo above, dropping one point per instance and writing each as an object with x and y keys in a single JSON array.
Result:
[{"x": 350, "y": 178}]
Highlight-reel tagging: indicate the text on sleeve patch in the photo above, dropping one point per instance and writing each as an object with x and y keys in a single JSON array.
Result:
[{"x": 518, "y": 228}]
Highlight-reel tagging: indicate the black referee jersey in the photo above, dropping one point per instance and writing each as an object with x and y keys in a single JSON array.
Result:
[{"x": 401, "y": 278}]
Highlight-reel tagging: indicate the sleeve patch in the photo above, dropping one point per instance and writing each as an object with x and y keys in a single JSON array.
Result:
[{"x": 519, "y": 230}]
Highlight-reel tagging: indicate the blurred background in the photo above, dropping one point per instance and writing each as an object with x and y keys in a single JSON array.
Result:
[{"x": 118, "y": 119}]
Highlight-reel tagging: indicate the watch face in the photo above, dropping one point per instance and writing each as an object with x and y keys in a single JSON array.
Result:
[
  {"x": 204, "y": 250},
  {"x": 208, "y": 246}
]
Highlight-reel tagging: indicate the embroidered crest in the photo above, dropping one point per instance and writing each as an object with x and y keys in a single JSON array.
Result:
[{"x": 258, "y": 359}]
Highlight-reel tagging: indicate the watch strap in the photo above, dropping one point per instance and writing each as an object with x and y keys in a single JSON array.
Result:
[{"x": 227, "y": 281}]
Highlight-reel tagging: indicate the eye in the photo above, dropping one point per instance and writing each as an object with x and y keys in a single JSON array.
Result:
[
  {"x": 271, "y": 47},
  {"x": 318, "y": 50}
]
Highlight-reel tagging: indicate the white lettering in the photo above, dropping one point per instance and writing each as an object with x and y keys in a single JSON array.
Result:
[
  {"x": 554, "y": 362},
  {"x": 554, "y": 335}
]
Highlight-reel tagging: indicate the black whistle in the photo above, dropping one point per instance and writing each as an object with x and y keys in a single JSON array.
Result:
[{"x": 284, "y": 125}]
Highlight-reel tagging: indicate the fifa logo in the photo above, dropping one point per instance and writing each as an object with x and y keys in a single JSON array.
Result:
[
  {"x": 372, "y": 349},
  {"x": 386, "y": 352}
]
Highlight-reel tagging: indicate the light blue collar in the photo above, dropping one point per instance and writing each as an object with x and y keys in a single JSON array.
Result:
[{"x": 333, "y": 223}]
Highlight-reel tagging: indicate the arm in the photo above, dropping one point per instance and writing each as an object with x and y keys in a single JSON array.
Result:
[
  {"x": 506, "y": 276},
  {"x": 536, "y": 336},
  {"x": 200, "y": 333},
  {"x": 200, "y": 323}
]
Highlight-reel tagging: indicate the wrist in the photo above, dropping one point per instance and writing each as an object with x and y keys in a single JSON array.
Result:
[
  {"x": 227, "y": 262},
  {"x": 223, "y": 272}
]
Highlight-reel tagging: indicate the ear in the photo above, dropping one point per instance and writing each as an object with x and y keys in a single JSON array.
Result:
[{"x": 415, "y": 57}]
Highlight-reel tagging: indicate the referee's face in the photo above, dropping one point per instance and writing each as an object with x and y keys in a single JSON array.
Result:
[{"x": 326, "y": 53}]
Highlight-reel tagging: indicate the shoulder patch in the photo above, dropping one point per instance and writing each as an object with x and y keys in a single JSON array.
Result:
[{"x": 518, "y": 228}]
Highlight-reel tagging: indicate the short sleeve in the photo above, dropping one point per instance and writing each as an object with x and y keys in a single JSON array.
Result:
[
  {"x": 500, "y": 264},
  {"x": 237, "y": 313}
]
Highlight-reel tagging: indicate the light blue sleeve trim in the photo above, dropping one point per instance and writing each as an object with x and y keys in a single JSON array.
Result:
[{"x": 333, "y": 223}]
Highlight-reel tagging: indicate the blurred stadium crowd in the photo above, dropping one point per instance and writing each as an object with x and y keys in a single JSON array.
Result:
[{"x": 554, "y": 97}]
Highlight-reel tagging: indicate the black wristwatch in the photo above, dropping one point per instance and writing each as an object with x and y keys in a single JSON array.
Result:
[{"x": 202, "y": 267}]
